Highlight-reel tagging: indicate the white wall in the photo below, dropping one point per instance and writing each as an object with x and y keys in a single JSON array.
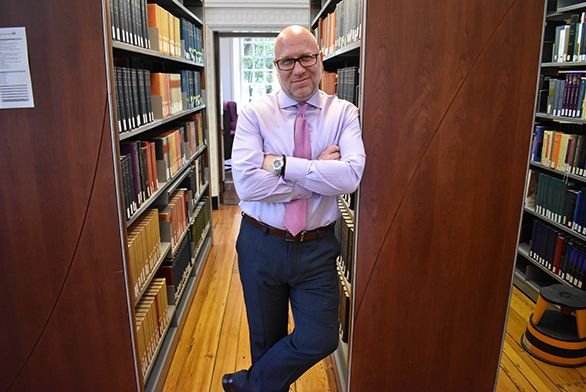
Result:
[
  {"x": 240, "y": 16},
  {"x": 227, "y": 68},
  {"x": 254, "y": 16}
]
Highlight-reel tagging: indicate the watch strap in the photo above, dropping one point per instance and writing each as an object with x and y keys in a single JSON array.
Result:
[{"x": 284, "y": 165}]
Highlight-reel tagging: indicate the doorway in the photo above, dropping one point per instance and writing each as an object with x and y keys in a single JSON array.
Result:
[{"x": 244, "y": 70}]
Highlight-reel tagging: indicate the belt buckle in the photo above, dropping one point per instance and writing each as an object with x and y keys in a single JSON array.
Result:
[{"x": 295, "y": 238}]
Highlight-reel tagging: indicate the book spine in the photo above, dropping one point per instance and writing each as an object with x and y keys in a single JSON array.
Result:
[
  {"x": 135, "y": 101},
  {"x": 128, "y": 97},
  {"x": 146, "y": 95},
  {"x": 141, "y": 95},
  {"x": 145, "y": 26},
  {"x": 117, "y": 98},
  {"x": 121, "y": 96}
]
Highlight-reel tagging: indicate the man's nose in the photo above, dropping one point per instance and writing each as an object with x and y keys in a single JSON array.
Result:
[{"x": 298, "y": 68}]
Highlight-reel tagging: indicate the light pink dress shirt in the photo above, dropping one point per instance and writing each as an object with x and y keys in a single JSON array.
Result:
[{"x": 266, "y": 126}]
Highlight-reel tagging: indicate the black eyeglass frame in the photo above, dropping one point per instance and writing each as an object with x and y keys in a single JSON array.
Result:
[{"x": 296, "y": 60}]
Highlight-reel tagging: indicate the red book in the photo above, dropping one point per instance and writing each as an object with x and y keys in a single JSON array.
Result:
[{"x": 560, "y": 246}]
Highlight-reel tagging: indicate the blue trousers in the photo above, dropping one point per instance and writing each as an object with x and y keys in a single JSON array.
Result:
[{"x": 275, "y": 272}]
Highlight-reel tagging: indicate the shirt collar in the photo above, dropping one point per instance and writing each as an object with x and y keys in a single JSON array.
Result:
[{"x": 285, "y": 101}]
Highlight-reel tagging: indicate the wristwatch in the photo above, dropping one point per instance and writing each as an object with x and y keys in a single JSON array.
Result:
[{"x": 279, "y": 166}]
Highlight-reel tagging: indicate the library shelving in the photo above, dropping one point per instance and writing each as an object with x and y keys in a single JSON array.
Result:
[
  {"x": 111, "y": 216},
  {"x": 337, "y": 27},
  {"x": 446, "y": 107},
  {"x": 163, "y": 41},
  {"x": 551, "y": 244}
]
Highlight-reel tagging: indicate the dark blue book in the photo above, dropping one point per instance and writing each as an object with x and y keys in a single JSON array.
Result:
[
  {"x": 579, "y": 271},
  {"x": 537, "y": 143},
  {"x": 576, "y": 220}
]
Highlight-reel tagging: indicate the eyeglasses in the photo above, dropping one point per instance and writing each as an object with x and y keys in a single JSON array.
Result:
[{"x": 287, "y": 64}]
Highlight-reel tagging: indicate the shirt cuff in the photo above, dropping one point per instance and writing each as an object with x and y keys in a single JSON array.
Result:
[{"x": 296, "y": 169}]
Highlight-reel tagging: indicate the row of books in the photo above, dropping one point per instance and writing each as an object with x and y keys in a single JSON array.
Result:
[
  {"x": 145, "y": 164},
  {"x": 344, "y": 230},
  {"x": 166, "y": 94},
  {"x": 558, "y": 150},
  {"x": 193, "y": 184},
  {"x": 191, "y": 41},
  {"x": 344, "y": 309},
  {"x": 167, "y": 224},
  {"x": 202, "y": 222},
  {"x": 135, "y": 22},
  {"x": 129, "y": 22},
  {"x": 174, "y": 36},
  {"x": 558, "y": 201},
  {"x": 174, "y": 217},
  {"x": 143, "y": 96},
  {"x": 138, "y": 163},
  {"x": 563, "y": 256},
  {"x": 172, "y": 93},
  {"x": 350, "y": 200},
  {"x": 152, "y": 315},
  {"x": 570, "y": 40},
  {"x": 144, "y": 249},
  {"x": 133, "y": 97},
  {"x": 176, "y": 270},
  {"x": 328, "y": 82},
  {"x": 341, "y": 27},
  {"x": 191, "y": 89},
  {"x": 347, "y": 84},
  {"x": 194, "y": 127},
  {"x": 152, "y": 318},
  {"x": 565, "y": 97},
  {"x": 196, "y": 179},
  {"x": 343, "y": 83},
  {"x": 177, "y": 147}
]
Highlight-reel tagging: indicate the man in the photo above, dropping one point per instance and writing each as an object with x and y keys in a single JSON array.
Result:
[{"x": 295, "y": 151}]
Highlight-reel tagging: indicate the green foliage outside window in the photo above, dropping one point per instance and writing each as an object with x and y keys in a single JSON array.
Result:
[{"x": 258, "y": 75}]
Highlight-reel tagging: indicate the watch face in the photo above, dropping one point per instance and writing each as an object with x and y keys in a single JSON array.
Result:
[{"x": 277, "y": 165}]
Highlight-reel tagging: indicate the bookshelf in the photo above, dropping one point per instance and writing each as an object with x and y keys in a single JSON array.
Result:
[
  {"x": 551, "y": 239},
  {"x": 445, "y": 119},
  {"x": 172, "y": 52},
  {"x": 115, "y": 224},
  {"x": 337, "y": 27}
]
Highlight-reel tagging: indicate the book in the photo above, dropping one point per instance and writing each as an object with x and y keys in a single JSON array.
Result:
[{"x": 537, "y": 143}]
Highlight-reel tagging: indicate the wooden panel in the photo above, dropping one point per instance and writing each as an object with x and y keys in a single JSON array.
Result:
[
  {"x": 449, "y": 95},
  {"x": 65, "y": 322}
]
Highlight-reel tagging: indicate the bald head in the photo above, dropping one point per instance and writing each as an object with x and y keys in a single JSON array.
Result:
[
  {"x": 295, "y": 36},
  {"x": 298, "y": 44}
]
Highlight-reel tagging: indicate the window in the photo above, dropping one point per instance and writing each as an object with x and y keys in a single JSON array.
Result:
[{"x": 258, "y": 75}]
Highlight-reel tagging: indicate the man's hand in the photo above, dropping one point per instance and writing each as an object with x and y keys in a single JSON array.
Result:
[
  {"x": 267, "y": 163},
  {"x": 332, "y": 153}
]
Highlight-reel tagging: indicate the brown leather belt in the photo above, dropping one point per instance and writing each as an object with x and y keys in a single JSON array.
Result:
[{"x": 308, "y": 235}]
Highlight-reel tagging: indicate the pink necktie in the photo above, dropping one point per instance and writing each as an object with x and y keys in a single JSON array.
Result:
[{"x": 296, "y": 210}]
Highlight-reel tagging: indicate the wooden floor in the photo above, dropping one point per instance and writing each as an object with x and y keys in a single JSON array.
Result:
[
  {"x": 215, "y": 337},
  {"x": 519, "y": 371}
]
